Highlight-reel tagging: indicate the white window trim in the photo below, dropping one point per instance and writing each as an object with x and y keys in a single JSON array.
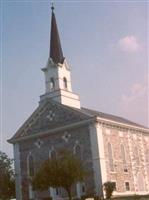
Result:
[
  {"x": 28, "y": 156},
  {"x": 109, "y": 157},
  {"x": 125, "y": 186},
  {"x": 81, "y": 150}
]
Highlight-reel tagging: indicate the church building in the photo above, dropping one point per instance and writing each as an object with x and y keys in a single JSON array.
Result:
[{"x": 112, "y": 148}]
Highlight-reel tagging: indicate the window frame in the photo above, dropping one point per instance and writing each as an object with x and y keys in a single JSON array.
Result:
[
  {"x": 51, "y": 154},
  {"x": 136, "y": 155},
  {"x": 110, "y": 157},
  {"x": 30, "y": 169},
  {"x": 123, "y": 156},
  {"x": 65, "y": 83},
  {"x": 78, "y": 155},
  {"x": 52, "y": 84},
  {"x": 127, "y": 187}
]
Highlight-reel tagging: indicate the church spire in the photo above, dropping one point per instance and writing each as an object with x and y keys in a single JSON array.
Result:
[
  {"x": 56, "y": 52},
  {"x": 57, "y": 72}
]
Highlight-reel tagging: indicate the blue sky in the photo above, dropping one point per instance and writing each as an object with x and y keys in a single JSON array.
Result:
[{"x": 105, "y": 43}]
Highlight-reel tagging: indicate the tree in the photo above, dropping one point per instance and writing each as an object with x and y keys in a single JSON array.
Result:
[
  {"x": 63, "y": 171},
  {"x": 7, "y": 183},
  {"x": 109, "y": 187}
]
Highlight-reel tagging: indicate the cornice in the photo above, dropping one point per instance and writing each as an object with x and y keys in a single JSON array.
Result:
[
  {"x": 52, "y": 131},
  {"x": 122, "y": 125}
]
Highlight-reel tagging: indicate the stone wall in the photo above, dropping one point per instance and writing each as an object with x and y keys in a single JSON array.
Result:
[
  {"x": 41, "y": 148},
  {"x": 136, "y": 145}
]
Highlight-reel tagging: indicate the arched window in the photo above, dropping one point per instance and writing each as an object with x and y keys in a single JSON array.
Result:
[
  {"x": 80, "y": 189},
  {"x": 65, "y": 83},
  {"x": 53, "y": 154},
  {"x": 83, "y": 188},
  {"x": 123, "y": 155},
  {"x": 147, "y": 155},
  {"x": 110, "y": 157},
  {"x": 52, "y": 84},
  {"x": 136, "y": 153},
  {"x": 78, "y": 151},
  {"x": 30, "y": 165},
  {"x": 141, "y": 182}
]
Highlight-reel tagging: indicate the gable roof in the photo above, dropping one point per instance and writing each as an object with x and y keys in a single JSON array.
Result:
[
  {"x": 110, "y": 117},
  {"x": 48, "y": 116}
]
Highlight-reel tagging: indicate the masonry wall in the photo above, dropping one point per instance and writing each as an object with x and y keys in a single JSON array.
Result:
[
  {"x": 136, "y": 170},
  {"x": 40, "y": 149}
]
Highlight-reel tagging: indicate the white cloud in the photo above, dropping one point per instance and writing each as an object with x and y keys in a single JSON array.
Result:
[
  {"x": 135, "y": 103},
  {"x": 137, "y": 91},
  {"x": 129, "y": 44}
]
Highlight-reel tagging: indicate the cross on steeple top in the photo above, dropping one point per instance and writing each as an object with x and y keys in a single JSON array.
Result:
[{"x": 52, "y": 6}]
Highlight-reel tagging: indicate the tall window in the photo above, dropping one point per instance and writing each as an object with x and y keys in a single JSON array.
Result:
[
  {"x": 58, "y": 191},
  {"x": 53, "y": 154},
  {"x": 83, "y": 188},
  {"x": 123, "y": 155},
  {"x": 52, "y": 84},
  {"x": 127, "y": 186},
  {"x": 30, "y": 166},
  {"x": 136, "y": 153},
  {"x": 110, "y": 156},
  {"x": 65, "y": 83},
  {"x": 147, "y": 155},
  {"x": 141, "y": 181},
  {"x": 78, "y": 151}
]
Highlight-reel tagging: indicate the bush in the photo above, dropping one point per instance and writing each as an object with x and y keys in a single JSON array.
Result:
[
  {"x": 109, "y": 187},
  {"x": 47, "y": 198},
  {"x": 96, "y": 198}
]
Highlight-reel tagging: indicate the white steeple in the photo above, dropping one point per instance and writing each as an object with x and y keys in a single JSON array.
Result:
[{"x": 57, "y": 72}]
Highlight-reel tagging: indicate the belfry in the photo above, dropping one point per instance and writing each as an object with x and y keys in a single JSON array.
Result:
[{"x": 57, "y": 72}]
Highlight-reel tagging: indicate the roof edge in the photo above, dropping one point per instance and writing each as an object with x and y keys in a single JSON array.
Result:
[
  {"x": 123, "y": 124},
  {"x": 77, "y": 124}
]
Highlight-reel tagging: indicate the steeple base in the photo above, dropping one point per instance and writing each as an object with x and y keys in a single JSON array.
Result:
[{"x": 63, "y": 97}]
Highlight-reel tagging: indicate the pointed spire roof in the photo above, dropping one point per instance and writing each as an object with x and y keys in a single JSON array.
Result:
[{"x": 56, "y": 52}]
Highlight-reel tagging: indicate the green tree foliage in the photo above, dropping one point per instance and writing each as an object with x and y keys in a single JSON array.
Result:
[
  {"x": 109, "y": 187},
  {"x": 63, "y": 171},
  {"x": 7, "y": 183}
]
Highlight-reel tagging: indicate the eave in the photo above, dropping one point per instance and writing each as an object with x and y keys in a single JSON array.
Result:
[
  {"x": 52, "y": 131},
  {"x": 122, "y": 125}
]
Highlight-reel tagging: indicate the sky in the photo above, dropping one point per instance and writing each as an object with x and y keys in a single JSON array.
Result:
[{"x": 105, "y": 43}]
